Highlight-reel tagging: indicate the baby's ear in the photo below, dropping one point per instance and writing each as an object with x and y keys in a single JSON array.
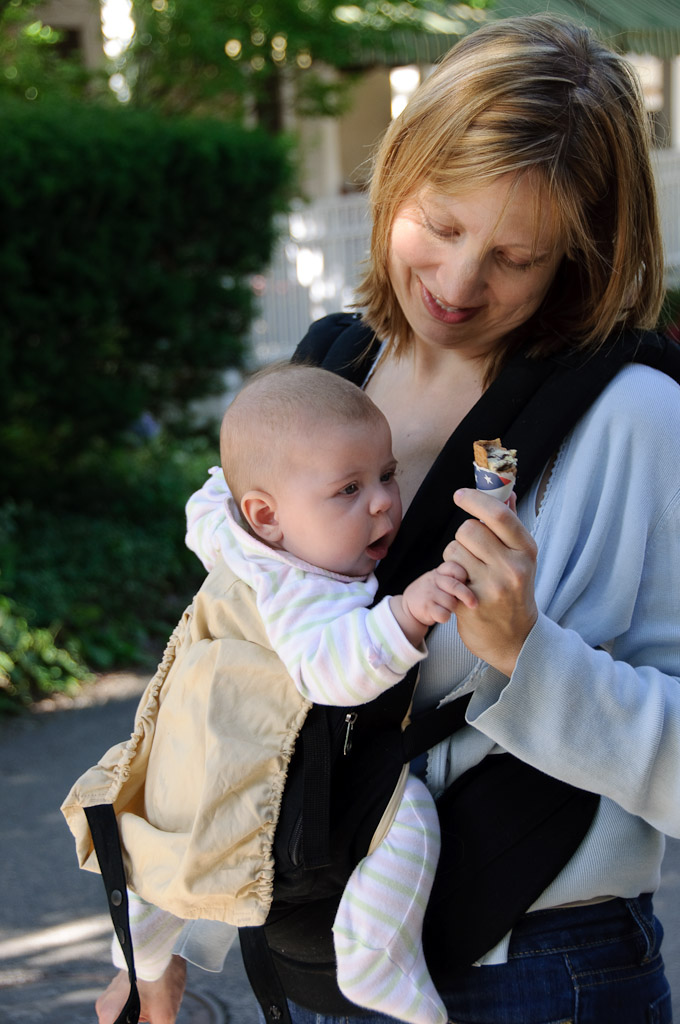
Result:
[{"x": 259, "y": 511}]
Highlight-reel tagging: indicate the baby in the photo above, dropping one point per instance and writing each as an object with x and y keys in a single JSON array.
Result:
[{"x": 312, "y": 506}]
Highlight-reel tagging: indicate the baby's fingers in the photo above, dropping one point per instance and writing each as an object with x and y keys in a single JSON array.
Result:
[
  {"x": 453, "y": 569},
  {"x": 455, "y": 586}
]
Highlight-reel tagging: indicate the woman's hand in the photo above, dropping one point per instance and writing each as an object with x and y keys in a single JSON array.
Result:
[
  {"x": 160, "y": 999},
  {"x": 431, "y": 598},
  {"x": 499, "y": 556}
]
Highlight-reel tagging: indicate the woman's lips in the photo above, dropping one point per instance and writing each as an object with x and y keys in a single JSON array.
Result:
[{"x": 447, "y": 314}]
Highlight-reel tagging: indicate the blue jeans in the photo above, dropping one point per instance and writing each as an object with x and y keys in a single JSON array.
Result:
[{"x": 584, "y": 965}]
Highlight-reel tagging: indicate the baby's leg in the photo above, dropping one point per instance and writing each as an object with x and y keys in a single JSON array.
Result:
[{"x": 378, "y": 926}]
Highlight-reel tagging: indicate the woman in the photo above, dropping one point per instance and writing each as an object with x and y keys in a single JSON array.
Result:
[{"x": 514, "y": 218}]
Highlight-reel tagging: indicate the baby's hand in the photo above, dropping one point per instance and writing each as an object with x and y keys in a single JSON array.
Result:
[{"x": 432, "y": 598}]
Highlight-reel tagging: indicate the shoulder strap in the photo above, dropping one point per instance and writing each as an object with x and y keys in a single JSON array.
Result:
[
  {"x": 106, "y": 840},
  {"x": 553, "y": 394},
  {"x": 341, "y": 343}
]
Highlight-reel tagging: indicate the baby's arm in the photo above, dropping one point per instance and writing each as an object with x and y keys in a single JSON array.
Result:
[
  {"x": 431, "y": 598},
  {"x": 339, "y": 650}
]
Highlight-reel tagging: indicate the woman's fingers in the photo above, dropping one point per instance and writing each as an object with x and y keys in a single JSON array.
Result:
[
  {"x": 452, "y": 579},
  {"x": 497, "y": 517},
  {"x": 160, "y": 1000},
  {"x": 499, "y": 557}
]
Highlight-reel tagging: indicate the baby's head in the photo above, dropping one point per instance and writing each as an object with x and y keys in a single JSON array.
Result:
[{"x": 308, "y": 458}]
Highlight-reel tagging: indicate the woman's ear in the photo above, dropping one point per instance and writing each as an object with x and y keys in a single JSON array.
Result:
[{"x": 259, "y": 511}]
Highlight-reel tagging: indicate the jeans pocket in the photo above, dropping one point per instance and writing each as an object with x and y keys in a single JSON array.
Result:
[
  {"x": 627, "y": 993},
  {"x": 661, "y": 1010}
]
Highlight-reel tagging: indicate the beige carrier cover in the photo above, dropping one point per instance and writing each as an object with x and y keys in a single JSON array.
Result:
[{"x": 197, "y": 788}]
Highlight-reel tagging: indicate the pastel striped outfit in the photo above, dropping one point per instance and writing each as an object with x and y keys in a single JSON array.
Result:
[{"x": 339, "y": 651}]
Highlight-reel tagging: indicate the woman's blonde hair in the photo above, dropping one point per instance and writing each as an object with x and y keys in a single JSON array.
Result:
[{"x": 543, "y": 96}]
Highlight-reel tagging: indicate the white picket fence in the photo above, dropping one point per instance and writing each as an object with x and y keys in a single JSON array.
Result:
[
  {"x": 667, "y": 170},
  {"x": 318, "y": 262},
  {"x": 316, "y": 267}
]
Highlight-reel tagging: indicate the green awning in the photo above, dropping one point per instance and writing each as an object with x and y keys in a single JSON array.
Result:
[{"x": 630, "y": 26}]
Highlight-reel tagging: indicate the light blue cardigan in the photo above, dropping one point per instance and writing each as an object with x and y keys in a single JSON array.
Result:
[{"x": 595, "y": 697}]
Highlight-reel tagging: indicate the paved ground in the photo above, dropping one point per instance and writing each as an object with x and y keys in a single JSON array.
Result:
[
  {"x": 54, "y": 928},
  {"x": 54, "y": 925}
]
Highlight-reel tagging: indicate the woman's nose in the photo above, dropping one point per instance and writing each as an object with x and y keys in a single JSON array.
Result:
[{"x": 461, "y": 278}]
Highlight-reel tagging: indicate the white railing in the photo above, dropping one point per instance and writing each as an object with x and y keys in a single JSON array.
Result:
[
  {"x": 667, "y": 170},
  {"x": 316, "y": 267},
  {"x": 318, "y": 262}
]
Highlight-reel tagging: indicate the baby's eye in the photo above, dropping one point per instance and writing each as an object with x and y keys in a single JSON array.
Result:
[
  {"x": 386, "y": 477},
  {"x": 350, "y": 489}
]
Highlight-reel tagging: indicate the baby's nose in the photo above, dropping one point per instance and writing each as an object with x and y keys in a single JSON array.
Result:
[{"x": 381, "y": 501}]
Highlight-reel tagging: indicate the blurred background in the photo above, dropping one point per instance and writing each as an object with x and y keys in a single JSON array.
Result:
[{"x": 182, "y": 191}]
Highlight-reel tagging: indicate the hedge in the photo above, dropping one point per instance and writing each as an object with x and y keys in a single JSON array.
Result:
[{"x": 127, "y": 245}]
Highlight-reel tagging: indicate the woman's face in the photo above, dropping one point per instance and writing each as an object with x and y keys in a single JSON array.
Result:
[{"x": 467, "y": 270}]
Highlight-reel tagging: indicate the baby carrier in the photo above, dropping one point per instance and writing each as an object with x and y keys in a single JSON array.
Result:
[{"x": 501, "y": 818}]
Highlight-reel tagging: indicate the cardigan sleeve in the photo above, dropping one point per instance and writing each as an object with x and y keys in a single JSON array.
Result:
[{"x": 594, "y": 698}]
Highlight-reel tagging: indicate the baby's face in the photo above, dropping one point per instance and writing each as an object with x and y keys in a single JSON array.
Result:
[{"x": 338, "y": 502}]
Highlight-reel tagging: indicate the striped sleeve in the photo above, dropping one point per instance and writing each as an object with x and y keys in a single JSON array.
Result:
[{"x": 337, "y": 650}]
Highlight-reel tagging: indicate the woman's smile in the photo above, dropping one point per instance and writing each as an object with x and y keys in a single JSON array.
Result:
[
  {"x": 445, "y": 313},
  {"x": 468, "y": 269}
]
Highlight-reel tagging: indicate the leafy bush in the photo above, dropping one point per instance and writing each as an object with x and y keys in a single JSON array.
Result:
[
  {"x": 113, "y": 576},
  {"x": 31, "y": 664},
  {"x": 128, "y": 245}
]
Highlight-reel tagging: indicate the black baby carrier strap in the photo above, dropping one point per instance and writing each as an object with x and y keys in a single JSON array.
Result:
[
  {"x": 104, "y": 831},
  {"x": 507, "y": 828}
]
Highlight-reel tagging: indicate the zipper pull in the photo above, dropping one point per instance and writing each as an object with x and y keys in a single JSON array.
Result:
[{"x": 350, "y": 719}]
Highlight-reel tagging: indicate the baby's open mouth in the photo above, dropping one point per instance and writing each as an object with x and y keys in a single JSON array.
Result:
[{"x": 379, "y": 548}]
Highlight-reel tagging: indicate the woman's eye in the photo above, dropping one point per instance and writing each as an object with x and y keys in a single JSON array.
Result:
[
  {"x": 539, "y": 260},
  {"x": 512, "y": 264},
  {"x": 438, "y": 230}
]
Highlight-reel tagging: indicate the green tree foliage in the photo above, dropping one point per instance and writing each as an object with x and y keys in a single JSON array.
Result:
[
  {"x": 236, "y": 57},
  {"x": 128, "y": 242},
  {"x": 36, "y": 62},
  {"x": 103, "y": 566}
]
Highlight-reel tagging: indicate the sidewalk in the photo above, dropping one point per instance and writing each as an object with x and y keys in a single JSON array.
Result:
[
  {"x": 54, "y": 927},
  {"x": 55, "y": 931}
]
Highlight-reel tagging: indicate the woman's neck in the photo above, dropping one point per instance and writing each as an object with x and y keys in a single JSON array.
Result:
[{"x": 424, "y": 394}]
